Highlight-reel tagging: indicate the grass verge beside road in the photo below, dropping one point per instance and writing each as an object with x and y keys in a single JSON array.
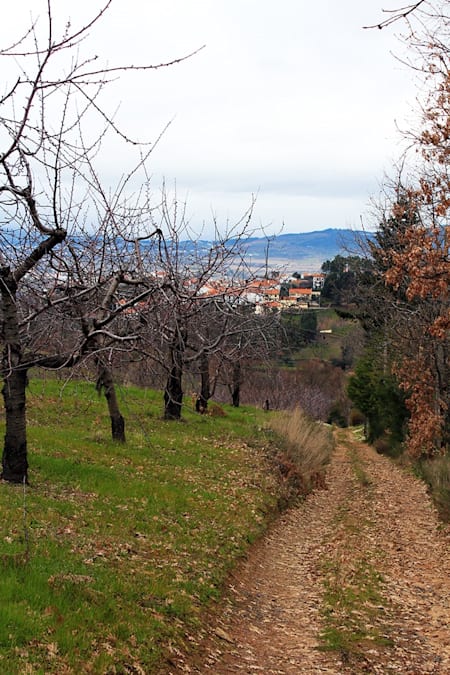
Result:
[{"x": 111, "y": 555}]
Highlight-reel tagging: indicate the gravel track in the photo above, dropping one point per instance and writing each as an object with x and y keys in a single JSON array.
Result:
[{"x": 371, "y": 515}]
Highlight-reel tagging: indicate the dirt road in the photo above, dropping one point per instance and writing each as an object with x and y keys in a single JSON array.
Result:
[{"x": 354, "y": 580}]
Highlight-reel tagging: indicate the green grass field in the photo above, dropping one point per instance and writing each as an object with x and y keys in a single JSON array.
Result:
[
  {"x": 112, "y": 553},
  {"x": 327, "y": 347}
]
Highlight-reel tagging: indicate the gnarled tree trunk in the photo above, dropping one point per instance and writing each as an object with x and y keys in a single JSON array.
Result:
[
  {"x": 173, "y": 394},
  {"x": 105, "y": 382},
  {"x": 14, "y": 371},
  {"x": 205, "y": 383},
  {"x": 236, "y": 384},
  {"x": 14, "y": 459}
]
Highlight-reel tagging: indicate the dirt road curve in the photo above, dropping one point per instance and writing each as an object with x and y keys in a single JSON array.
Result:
[{"x": 355, "y": 580}]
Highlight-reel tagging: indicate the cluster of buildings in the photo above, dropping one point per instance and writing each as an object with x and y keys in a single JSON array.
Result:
[{"x": 274, "y": 293}]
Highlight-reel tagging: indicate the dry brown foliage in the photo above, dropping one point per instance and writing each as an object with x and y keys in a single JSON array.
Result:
[{"x": 420, "y": 265}]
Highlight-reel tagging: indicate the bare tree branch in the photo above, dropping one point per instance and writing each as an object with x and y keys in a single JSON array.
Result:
[{"x": 396, "y": 15}]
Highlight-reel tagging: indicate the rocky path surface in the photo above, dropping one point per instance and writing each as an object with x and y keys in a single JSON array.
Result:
[{"x": 354, "y": 580}]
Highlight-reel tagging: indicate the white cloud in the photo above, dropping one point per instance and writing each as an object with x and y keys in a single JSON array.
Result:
[{"x": 293, "y": 100}]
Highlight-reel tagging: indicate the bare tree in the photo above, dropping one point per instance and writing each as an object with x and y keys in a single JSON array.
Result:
[
  {"x": 102, "y": 289},
  {"x": 52, "y": 125},
  {"x": 198, "y": 318}
]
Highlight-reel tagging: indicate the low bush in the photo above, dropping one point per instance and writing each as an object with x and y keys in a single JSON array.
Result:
[
  {"x": 382, "y": 446},
  {"x": 215, "y": 410},
  {"x": 387, "y": 445},
  {"x": 356, "y": 418},
  {"x": 337, "y": 415}
]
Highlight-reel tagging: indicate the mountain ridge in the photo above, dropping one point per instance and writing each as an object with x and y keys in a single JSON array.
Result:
[{"x": 307, "y": 250}]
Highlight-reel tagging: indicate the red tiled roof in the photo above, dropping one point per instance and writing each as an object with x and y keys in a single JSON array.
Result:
[{"x": 300, "y": 291}]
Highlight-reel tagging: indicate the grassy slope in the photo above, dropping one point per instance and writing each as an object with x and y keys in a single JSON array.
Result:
[
  {"x": 126, "y": 544},
  {"x": 327, "y": 346}
]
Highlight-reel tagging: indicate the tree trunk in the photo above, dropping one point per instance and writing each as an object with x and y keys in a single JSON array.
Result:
[
  {"x": 105, "y": 381},
  {"x": 236, "y": 384},
  {"x": 205, "y": 384},
  {"x": 173, "y": 394},
  {"x": 14, "y": 459}
]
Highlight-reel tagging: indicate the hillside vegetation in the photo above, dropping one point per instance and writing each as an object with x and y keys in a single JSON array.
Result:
[{"x": 111, "y": 555}]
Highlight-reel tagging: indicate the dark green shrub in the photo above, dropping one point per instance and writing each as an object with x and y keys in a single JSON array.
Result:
[
  {"x": 378, "y": 396},
  {"x": 337, "y": 416}
]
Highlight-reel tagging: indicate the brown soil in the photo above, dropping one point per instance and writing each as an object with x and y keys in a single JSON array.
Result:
[{"x": 372, "y": 521}]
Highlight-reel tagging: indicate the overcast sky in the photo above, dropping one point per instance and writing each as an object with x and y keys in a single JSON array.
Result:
[{"x": 291, "y": 100}]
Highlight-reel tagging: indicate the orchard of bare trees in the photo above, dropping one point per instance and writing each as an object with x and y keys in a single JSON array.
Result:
[
  {"x": 94, "y": 275},
  {"x": 108, "y": 279}
]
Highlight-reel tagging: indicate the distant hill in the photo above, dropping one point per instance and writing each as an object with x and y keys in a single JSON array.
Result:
[
  {"x": 293, "y": 252},
  {"x": 304, "y": 251}
]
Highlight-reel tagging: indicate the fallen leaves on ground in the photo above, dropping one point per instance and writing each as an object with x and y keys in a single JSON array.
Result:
[{"x": 377, "y": 544}]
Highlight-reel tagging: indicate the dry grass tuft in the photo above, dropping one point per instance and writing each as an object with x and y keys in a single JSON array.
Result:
[
  {"x": 436, "y": 473},
  {"x": 215, "y": 410},
  {"x": 306, "y": 448}
]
